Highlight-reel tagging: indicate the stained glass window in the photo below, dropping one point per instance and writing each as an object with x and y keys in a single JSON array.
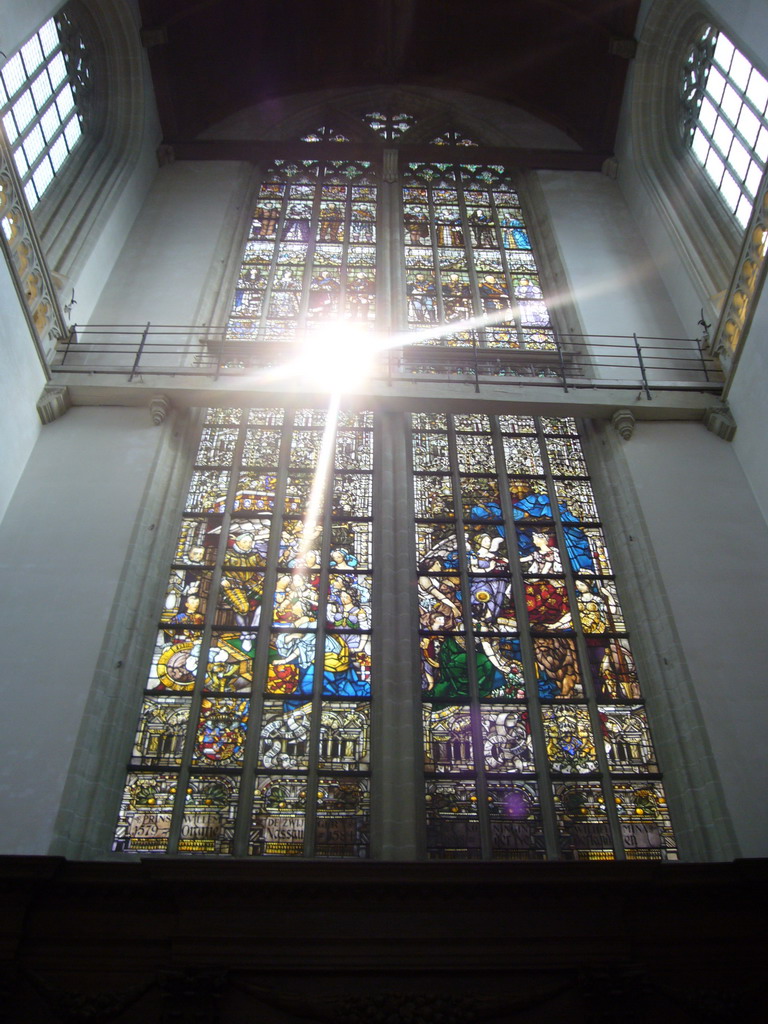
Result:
[
  {"x": 42, "y": 89},
  {"x": 389, "y": 126},
  {"x": 311, "y": 252},
  {"x": 724, "y": 119},
  {"x": 536, "y": 740},
  {"x": 254, "y": 731},
  {"x": 468, "y": 261},
  {"x": 254, "y": 737}
]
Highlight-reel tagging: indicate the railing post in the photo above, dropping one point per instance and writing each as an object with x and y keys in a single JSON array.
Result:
[
  {"x": 642, "y": 368},
  {"x": 139, "y": 353},
  {"x": 703, "y": 360},
  {"x": 563, "y": 373},
  {"x": 220, "y": 353},
  {"x": 70, "y": 336}
]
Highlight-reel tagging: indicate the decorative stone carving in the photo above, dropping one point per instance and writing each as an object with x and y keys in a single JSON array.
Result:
[
  {"x": 747, "y": 282},
  {"x": 159, "y": 407},
  {"x": 719, "y": 420},
  {"x": 610, "y": 168},
  {"x": 623, "y": 422},
  {"x": 53, "y": 402},
  {"x": 25, "y": 258}
]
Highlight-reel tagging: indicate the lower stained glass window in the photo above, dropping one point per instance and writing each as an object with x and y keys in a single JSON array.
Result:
[
  {"x": 254, "y": 733},
  {"x": 535, "y": 734},
  {"x": 254, "y": 736}
]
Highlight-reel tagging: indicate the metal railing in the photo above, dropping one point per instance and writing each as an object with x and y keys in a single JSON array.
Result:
[{"x": 129, "y": 352}]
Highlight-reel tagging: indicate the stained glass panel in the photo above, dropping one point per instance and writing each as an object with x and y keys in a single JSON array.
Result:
[
  {"x": 310, "y": 256},
  {"x": 478, "y": 647},
  {"x": 221, "y": 684}
]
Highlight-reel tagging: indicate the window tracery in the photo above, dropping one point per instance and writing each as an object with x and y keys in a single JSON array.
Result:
[
  {"x": 44, "y": 91},
  {"x": 724, "y": 119}
]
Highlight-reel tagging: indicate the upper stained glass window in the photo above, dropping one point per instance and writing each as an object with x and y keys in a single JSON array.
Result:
[
  {"x": 42, "y": 88},
  {"x": 311, "y": 252},
  {"x": 724, "y": 119},
  {"x": 468, "y": 260}
]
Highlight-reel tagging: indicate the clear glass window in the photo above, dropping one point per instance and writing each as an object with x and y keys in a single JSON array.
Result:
[
  {"x": 724, "y": 101},
  {"x": 37, "y": 99}
]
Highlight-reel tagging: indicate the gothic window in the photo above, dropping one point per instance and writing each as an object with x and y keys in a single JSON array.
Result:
[
  {"x": 724, "y": 119},
  {"x": 257, "y": 733},
  {"x": 253, "y": 737},
  {"x": 535, "y": 735},
  {"x": 42, "y": 92},
  {"x": 311, "y": 251}
]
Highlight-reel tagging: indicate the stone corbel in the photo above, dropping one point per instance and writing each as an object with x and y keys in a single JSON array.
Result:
[
  {"x": 53, "y": 402},
  {"x": 719, "y": 420},
  {"x": 159, "y": 407},
  {"x": 623, "y": 422}
]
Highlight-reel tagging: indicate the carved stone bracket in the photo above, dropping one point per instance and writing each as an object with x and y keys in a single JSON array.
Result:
[
  {"x": 159, "y": 407},
  {"x": 53, "y": 402},
  {"x": 623, "y": 422},
  {"x": 719, "y": 419}
]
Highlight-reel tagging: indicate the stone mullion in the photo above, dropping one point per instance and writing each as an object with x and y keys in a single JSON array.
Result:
[
  {"x": 315, "y": 722},
  {"x": 473, "y": 687},
  {"x": 398, "y": 827}
]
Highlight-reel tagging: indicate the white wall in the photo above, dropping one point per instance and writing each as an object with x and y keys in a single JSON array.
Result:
[
  {"x": 171, "y": 257},
  {"x": 63, "y": 545},
  {"x": 19, "y": 422}
]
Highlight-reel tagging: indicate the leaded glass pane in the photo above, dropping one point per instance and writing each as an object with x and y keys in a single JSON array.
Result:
[{"x": 310, "y": 257}]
